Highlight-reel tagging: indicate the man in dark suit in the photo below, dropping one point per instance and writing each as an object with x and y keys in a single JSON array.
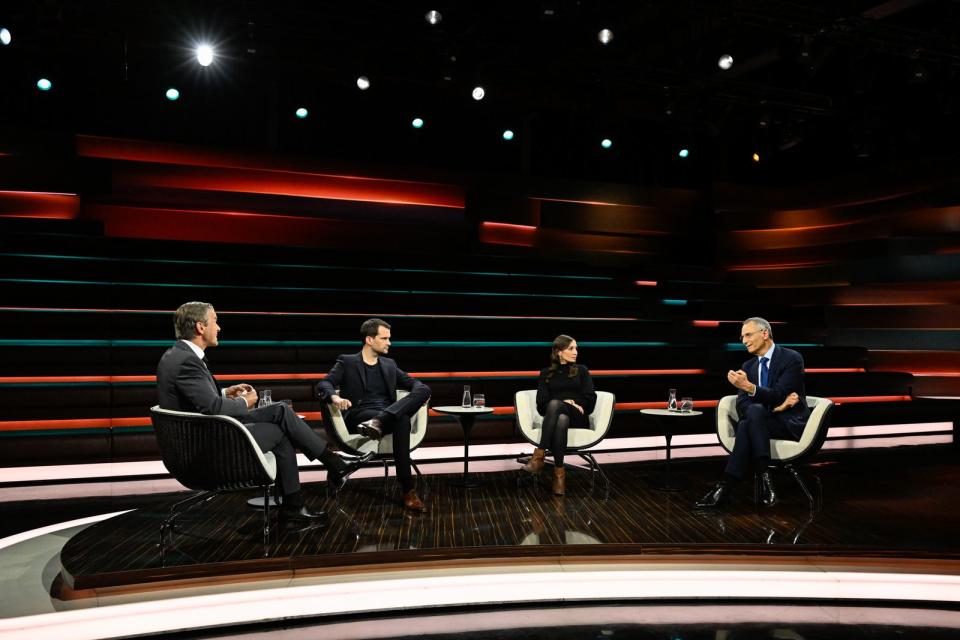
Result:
[
  {"x": 364, "y": 386},
  {"x": 185, "y": 384},
  {"x": 771, "y": 403}
]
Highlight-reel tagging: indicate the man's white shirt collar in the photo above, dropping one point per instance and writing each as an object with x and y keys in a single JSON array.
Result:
[
  {"x": 197, "y": 350},
  {"x": 768, "y": 355}
]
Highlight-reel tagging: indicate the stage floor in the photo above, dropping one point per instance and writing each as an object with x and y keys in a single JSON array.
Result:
[{"x": 876, "y": 504}]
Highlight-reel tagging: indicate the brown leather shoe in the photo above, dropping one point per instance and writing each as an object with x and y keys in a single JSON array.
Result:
[
  {"x": 559, "y": 481},
  {"x": 413, "y": 502},
  {"x": 536, "y": 462},
  {"x": 371, "y": 428}
]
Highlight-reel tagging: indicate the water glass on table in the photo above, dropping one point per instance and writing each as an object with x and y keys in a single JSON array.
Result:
[
  {"x": 266, "y": 398},
  {"x": 686, "y": 405},
  {"x": 479, "y": 401}
]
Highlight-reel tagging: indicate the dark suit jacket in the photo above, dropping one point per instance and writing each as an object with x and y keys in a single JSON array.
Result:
[
  {"x": 785, "y": 377},
  {"x": 350, "y": 376},
  {"x": 185, "y": 384}
]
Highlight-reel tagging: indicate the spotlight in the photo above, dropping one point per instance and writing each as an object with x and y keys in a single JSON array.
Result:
[
  {"x": 478, "y": 93},
  {"x": 173, "y": 94},
  {"x": 44, "y": 85},
  {"x": 605, "y": 36},
  {"x": 507, "y": 134},
  {"x": 363, "y": 83},
  {"x": 683, "y": 153},
  {"x": 606, "y": 143},
  {"x": 205, "y": 55},
  {"x": 433, "y": 17},
  {"x": 756, "y": 157},
  {"x": 417, "y": 123},
  {"x": 5, "y": 36},
  {"x": 302, "y": 113},
  {"x": 725, "y": 61}
]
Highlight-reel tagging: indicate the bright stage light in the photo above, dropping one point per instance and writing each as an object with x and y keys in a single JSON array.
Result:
[
  {"x": 205, "y": 55},
  {"x": 756, "y": 157},
  {"x": 606, "y": 143},
  {"x": 44, "y": 85},
  {"x": 478, "y": 93},
  {"x": 508, "y": 134},
  {"x": 433, "y": 17},
  {"x": 5, "y": 36},
  {"x": 363, "y": 83},
  {"x": 605, "y": 36},
  {"x": 684, "y": 153},
  {"x": 725, "y": 61},
  {"x": 173, "y": 94},
  {"x": 302, "y": 113},
  {"x": 417, "y": 123}
]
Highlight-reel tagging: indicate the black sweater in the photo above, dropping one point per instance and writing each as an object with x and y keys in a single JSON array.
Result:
[{"x": 579, "y": 388}]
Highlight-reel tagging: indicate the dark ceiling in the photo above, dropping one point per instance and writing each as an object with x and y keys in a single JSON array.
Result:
[{"x": 817, "y": 88}]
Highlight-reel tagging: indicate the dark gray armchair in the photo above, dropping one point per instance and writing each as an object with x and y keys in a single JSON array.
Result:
[{"x": 211, "y": 454}]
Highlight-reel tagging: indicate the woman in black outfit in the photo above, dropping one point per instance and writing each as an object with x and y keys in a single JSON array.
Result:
[{"x": 565, "y": 399}]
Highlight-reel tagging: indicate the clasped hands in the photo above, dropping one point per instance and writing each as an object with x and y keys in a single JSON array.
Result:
[
  {"x": 340, "y": 403},
  {"x": 739, "y": 380},
  {"x": 574, "y": 404},
  {"x": 245, "y": 391}
]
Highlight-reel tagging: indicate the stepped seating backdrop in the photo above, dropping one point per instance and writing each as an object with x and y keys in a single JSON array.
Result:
[{"x": 476, "y": 279}]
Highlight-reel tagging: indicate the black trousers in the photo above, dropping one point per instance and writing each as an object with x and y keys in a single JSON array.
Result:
[
  {"x": 559, "y": 417},
  {"x": 752, "y": 439},
  {"x": 277, "y": 428},
  {"x": 396, "y": 421}
]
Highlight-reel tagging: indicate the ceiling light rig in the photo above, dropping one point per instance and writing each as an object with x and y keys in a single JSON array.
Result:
[
  {"x": 725, "y": 61},
  {"x": 363, "y": 83},
  {"x": 302, "y": 113},
  {"x": 478, "y": 93},
  {"x": 416, "y": 123},
  {"x": 605, "y": 36},
  {"x": 173, "y": 94},
  {"x": 5, "y": 36},
  {"x": 433, "y": 17},
  {"x": 205, "y": 55},
  {"x": 606, "y": 143}
]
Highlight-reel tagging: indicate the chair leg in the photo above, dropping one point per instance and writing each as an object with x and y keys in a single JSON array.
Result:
[
  {"x": 386, "y": 475},
  {"x": 266, "y": 520},
  {"x": 176, "y": 510},
  {"x": 796, "y": 476},
  {"x": 596, "y": 468}
]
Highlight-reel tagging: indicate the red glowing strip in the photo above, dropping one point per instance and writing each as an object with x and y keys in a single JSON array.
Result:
[
  {"x": 592, "y": 202},
  {"x": 519, "y": 235},
  {"x": 775, "y": 267},
  {"x": 814, "y": 227},
  {"x": 836, "y": 370},
  {"x": 855, "y": 399},
  {"x": 645, "y": 283},
  {"x": 216, "y": 171},
  {"x": 39, "y": 204},
  {"x": 706, "y": 323}
]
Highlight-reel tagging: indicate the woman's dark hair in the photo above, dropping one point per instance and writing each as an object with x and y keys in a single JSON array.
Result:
[{"x": 560, "y": 343}]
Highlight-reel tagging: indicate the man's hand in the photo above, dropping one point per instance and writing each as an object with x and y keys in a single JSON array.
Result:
[
  {"x": 739, "y": 380},
  {"x": 238, "y": 390},
  {"x": 574, "y": 404},
  {"x": 791, "y": 400},
  {"x": 249, "y": 394},
  {"x": 340, "y": 403}
]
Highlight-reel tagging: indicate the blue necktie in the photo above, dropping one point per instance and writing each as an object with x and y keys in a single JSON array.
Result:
[{"x": 764, "y": 372}]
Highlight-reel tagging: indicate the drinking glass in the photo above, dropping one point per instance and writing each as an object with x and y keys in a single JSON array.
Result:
[
  {"x": 686, "y": 405},
  {"x": 265, "y": 398},
  {"x": 479, "y": 401},
  {"x": 672, "y": 400},
  {"x": 466, "y": 396}
]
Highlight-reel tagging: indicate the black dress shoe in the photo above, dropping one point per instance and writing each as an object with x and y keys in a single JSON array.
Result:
[
  {"x": 337, "y": 479},
  {"x": 768, "y": 493},
  {"x": 371, "y": 428},
  {"x": 303, "y": 514},
  {"x": 719, "y": 495}
]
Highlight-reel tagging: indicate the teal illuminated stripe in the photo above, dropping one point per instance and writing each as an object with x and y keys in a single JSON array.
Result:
[
  {"x": 143, "y": 429},
  {"x": 323, "y": 289},
  {"x": 498, "y": 274},
  {"x": 674, "y": 302},
  {"x": 736, "y": 346},
  {"x": 310, "y": 343}
]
